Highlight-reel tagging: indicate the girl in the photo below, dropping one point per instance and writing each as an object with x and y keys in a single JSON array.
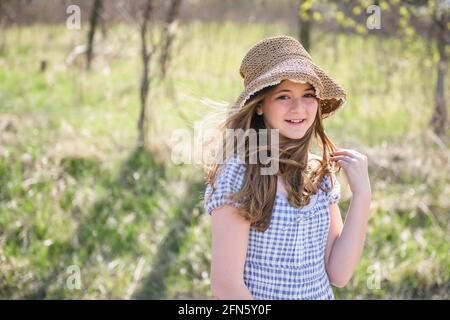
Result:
[{"x": 281, "y": 236}]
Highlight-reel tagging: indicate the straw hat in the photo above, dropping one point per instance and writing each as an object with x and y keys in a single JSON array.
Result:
[{"x": 274, "y": 59}]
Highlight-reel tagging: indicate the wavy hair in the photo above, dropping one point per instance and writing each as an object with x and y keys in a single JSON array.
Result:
[{"x": 301, "y": 179}]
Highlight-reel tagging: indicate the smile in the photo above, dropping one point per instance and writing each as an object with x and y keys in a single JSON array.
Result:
[{"x": 295, "y": 122}]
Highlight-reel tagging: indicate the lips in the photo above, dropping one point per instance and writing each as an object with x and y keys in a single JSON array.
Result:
[{"x": 295, "y": 122}]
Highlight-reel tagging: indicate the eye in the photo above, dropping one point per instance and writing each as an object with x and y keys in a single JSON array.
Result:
[
  {"x": 309, "y": 95},
  {"x": 280, "y": 97}
]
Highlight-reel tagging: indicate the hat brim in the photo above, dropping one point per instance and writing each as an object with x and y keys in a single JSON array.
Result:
[{"x": 331, "y": 95}]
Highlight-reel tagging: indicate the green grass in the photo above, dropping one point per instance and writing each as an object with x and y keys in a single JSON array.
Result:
[{"x": 74, "y": 191}]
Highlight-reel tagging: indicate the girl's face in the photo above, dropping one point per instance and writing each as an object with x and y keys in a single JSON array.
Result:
[{"x": 291, "y": 108}]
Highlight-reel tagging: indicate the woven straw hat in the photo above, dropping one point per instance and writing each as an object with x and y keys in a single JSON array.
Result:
[{"x": 274, "y": 59}]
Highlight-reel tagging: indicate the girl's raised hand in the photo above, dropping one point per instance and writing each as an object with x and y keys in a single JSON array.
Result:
[{"x": 355, "y": 168}]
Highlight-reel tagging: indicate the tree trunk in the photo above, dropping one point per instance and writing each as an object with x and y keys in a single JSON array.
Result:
[
  {"x": 304, "y": 26},
  {"x": 168, "y": 35},
  {"x": 95, "y": 12},
  {"x": 439, "y": 118},
  {"x": 145, "y": 55}
]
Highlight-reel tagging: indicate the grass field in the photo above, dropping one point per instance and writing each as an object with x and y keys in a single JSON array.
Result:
[{"x": 75, "y": 192}]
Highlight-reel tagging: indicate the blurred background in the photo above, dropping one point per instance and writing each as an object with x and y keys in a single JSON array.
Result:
[{"x": 93, "y": 206}]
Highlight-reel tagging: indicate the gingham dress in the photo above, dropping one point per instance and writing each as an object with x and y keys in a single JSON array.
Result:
[{"x": 287, "y": 261}]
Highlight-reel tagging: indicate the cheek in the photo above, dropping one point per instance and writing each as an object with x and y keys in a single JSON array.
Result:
[
  {"x": 275, "y": 113},
  {"x": 312, "y": 107}
]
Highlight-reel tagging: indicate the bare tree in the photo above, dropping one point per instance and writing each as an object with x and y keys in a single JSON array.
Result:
[
  {"x": 441, "y": 20},
  {"x": 93, "y": 21},
  {"x": 304, "y": 23},
  {"x": 147, "y": 51},
  {"x": 8, "y": 15},
  {"x": 168, "y": 35},
  {"x": 2, "y": 27},
  {"x": 143, "y": 23}
]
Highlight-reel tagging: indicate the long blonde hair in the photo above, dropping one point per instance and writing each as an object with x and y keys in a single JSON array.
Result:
[{"x": 258, "y": 192}]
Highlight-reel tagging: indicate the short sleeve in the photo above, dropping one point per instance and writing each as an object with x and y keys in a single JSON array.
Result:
[
  {"x": 229, "y": 180},
  {"x": 335, "y": 194}
]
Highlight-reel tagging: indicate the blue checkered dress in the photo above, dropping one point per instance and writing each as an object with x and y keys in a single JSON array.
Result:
[{"x": 287, "y": 261}]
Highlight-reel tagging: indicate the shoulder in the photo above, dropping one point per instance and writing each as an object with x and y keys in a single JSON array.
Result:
[
  {"x": 230, "y": 173},
  {"x": 229, "y": 179},
  {"x": 232, "y": 166}
]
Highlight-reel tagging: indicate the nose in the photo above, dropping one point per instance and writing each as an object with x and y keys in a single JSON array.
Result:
[{"x": 298, "y": 105}]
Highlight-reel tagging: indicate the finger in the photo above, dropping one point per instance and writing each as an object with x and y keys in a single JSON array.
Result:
[
  {"x": 344, "y": 151},
  {"x": 343, "y": 164},
  {"x": 347, "y": 152},
  {"x": 343, "y": 157}
]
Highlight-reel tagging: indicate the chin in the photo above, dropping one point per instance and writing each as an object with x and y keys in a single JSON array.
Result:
[{"x": 293, "y": 135}]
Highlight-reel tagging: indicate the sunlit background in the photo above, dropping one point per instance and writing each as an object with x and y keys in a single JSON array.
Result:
[{"x": 93, "y": 206}]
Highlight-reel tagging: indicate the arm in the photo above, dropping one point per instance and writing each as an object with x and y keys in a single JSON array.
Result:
[
  {"x": 345, "y": 242},
  {"x": 229, "y": 248}
]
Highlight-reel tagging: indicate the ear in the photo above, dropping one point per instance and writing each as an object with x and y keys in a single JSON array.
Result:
[{"x": 259, "y": 110}]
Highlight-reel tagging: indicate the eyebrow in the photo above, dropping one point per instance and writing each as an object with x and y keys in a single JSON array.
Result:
[{"x": 287, "y": 90}]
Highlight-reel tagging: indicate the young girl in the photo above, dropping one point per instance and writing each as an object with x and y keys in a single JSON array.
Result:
[{"x": 281, "y": 236}]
